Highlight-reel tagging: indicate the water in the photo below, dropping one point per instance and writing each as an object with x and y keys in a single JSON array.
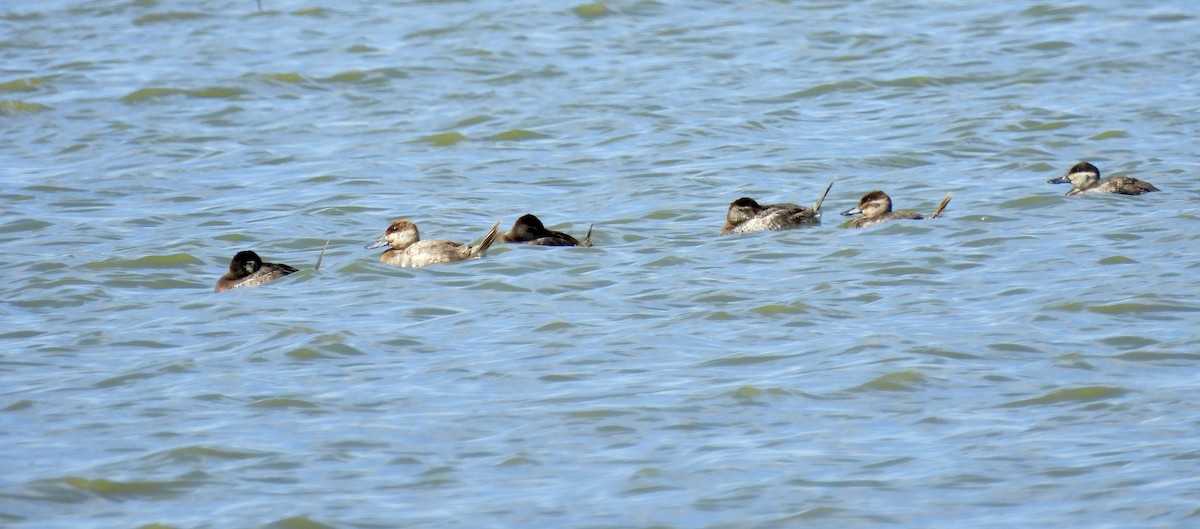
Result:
[{"x": 1028, "y": 360}]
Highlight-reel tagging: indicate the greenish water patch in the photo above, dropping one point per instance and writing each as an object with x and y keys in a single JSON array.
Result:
[
  {"x": 19, "y": 405},
  {"x": 518, "y": 461},
  {"x": 898, "y": 381},
  {"x": 229, "y": 237},
  {"x": 15, "y": 335},
  {"x": 1059, "y": 13},
  {"x": 282, "y": 403},
  {"x": 516, "y": 135},
  {"x": 175, "y": 260},
  {"x": 904, "y": 271},
  {"x": 308, "y": 353},
  {"x": 751, "y": 393},
  {"x": 148, "y": 344},
  {"x": 1085, "y": 394},
  {"x": 1013, "y": 348},
  {"x": 126, "y": 489},
  {"x": 1137, "y": 308},
  {"x": 849, "y": 87},
  {"x": 316, "y": 12},
  {"x": 290, "y": 78},
  {"x": 121, "y": 380},
  {"x": 445, "y": 139},
  {"x": 815, "y": 513},
  {"x": 1031, "y": 125},
  {"x": 474, "y": 120},
  {"x": 23, "y": 225},
  {"x": 148, "y": 94},
  {"x": 29, "y": 84},
  {"x": 720, "y": 299},
  {"x": 598, "y": 414},
  {"x": 172, "y": 16},
  {"x": 1066, "y": 472},
  {"x": 742, "y": 360},
  {"x": 1051, "y": 45},
  {"x": 194, "y": 454},
  {"x": 1147, "y": 356},
  {"x": 12, "y": 107},
  {"x": 945, "y": 353},
  {"x": 782, "y": 310},
  {"x": 433, "y": 311},
  {"x": 373, "y": 76},
  {"x": 1170, "y": 17},
  {"x": 554, "y": 326},
  {"x": 1129, "y": 342},
  {"x": 1109, "y": 134},
  {"x": 594, "y": 10},
  {"x": 22, "y": 17},
  {"x": 297, "y": 522},
  {"x": 669, "y": 261}
]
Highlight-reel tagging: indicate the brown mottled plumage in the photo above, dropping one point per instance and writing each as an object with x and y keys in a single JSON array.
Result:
[
  {"x": 247, "y": 269},
  {"x": 407, "y": 248},
  {"x": 1085, "y": 179},
  {"x": 745, "y": 215},
  {"x": 876, "y": 208}
]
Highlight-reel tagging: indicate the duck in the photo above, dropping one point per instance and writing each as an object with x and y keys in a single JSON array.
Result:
[
  {"x": 1085, "y": 179},
  {"x": 745, "y": 215},
  {"x": 247, "y": 269},
  {"x": 529, "y": 230},
  {"x": 407, "y": 248},
  {"x": 876, "y": 208}
]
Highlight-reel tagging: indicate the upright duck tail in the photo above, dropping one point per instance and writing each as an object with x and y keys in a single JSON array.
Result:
[
  {"x": 322, "y": 256},
  {"x": 587, "y": 239},
  {"x": 480, "y": 249},
  {"x": 942, "y": 207},
  {"x": 817, "y": 206}
]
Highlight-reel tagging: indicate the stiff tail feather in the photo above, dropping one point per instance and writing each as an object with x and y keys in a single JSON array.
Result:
[
  {"x": 942, "y": 207},
  {"x": 322, "y": 256},
  {"x": 817, "y": 206},
  {"x": 587, "y": 239},
  {"x": 480, "y": 249}
]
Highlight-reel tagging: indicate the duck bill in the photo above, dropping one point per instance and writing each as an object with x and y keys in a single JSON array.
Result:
[
  {"x": 852, "y": 211},
  {"x": 1059, "y": 180},
  {"x": 381, "y": 242}
]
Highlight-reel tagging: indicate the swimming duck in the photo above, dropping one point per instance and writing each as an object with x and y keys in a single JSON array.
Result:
[
  {"x": 247, "y": 269},
  {"x": 407, "y": 248},
  {"x": 745, "y": 215},
  {"x": 529, "y": 230},
  {"x": 876, "y": 208},
  {"x": 1085, "y": 178}
]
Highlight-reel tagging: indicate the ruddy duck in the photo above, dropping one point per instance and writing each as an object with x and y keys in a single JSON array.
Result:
[
  {"x": 247, "y": 269},
  {"x": 1085, "y": 178},
  {"x": 876, "y": 208},
  {"x": 529, "y": 230},
  {"x": 407, "y": 248},
  {"x": 745, "y": 215}
]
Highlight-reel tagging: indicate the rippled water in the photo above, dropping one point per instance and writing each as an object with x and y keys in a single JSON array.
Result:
[{"x": 1028, "y": 360}]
